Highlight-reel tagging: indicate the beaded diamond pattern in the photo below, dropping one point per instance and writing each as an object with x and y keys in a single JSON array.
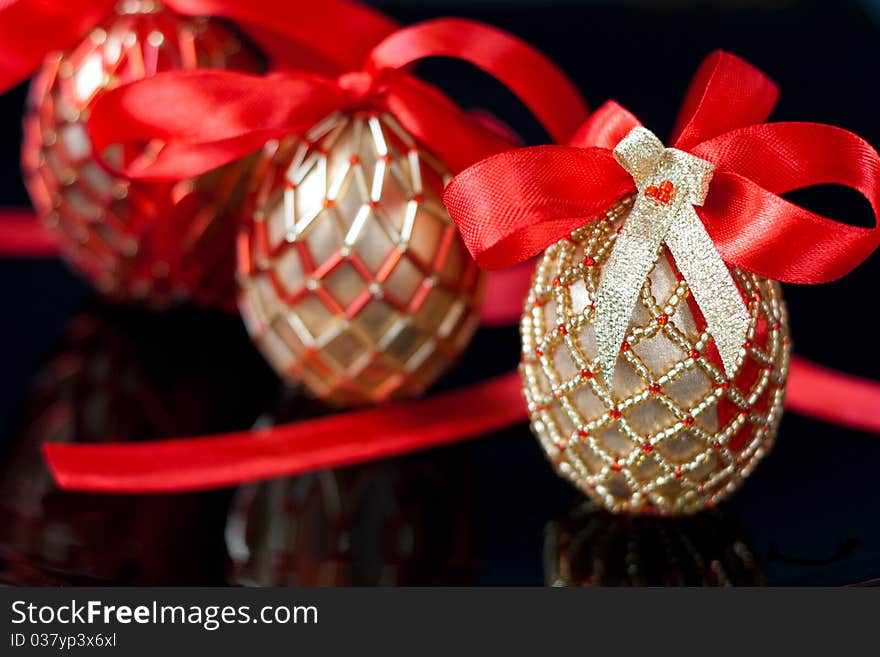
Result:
[
  {"x": 137, "y": 241},
  {"x": 675, "y": 435},
  {"x": 354, "y": 279}
]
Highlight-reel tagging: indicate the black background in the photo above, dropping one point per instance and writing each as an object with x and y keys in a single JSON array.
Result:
[{"x": 809, "y": 512}]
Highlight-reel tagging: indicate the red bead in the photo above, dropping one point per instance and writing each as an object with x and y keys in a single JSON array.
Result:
[
  {"x": 663, "y": 193},
  {"x": 329, "y": 203},
  {"x": 586, "y": 374},
  {"x": 561, "y": 446},
  {"x": 538, "y": 352},
  {"x": 693, "y": 353},
  {"x": 663, "y": 319},
  {"x": 678, "y": 472},
  {"x": 590, "y": 261},
  {"x": 647, "y": 448},
  {"x": 615, "y": 413},
  {"x": 624, "y": 347},
  {"x": 688, "y": 420},
  {"x": 557, "y": 282},
  {"x": 616, "y": 466},
  {"x": 561, "y": 330},
  {"x": 583, "y": 434},
  {"x": 354, "y": 159},
  {"x": 654, "y": 388}
]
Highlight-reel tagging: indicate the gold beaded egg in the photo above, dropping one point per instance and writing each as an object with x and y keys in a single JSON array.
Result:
[
  {"x": 675, "y": 434},
  {"x": 354, "y": 280}
]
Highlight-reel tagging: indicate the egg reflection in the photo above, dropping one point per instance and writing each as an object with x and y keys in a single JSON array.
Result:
[
  {"x": 590, "y": 547},
  {"x": 120, "y": 375},
  {"x": 405, "y": 522}
]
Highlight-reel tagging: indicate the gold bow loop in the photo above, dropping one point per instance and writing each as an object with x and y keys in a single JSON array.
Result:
[{"x": 670, "y": 182}]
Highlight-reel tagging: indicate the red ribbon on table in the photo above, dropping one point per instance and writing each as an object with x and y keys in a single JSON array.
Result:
[
  {"x": 510, "y": 207},
  {"x": 206, "y": 118},
  {"x": 442, "y": 419},
  {"x": 329, "y": 36}
]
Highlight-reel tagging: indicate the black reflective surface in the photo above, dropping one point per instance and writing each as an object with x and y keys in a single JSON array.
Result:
[{"x": 486, "y": 512}]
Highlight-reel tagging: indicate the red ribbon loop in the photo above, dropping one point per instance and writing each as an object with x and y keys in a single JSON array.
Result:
[
  {"x": 205, "y": 119},
  {"x": 512, "y": 206},
  {"x": 326, "y": 37},
  {"x": 531, "y": 76}
]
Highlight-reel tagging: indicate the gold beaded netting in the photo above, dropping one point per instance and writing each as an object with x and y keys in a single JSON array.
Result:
[
  {"x": 354, "y": 280},
  {"x": 134, "y": 241},
  {"x": 675, "y": 434}
]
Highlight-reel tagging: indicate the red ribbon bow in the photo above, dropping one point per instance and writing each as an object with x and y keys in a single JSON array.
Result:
[
  {"x": 327, "y": 36},
  {"x": 510, "y": 207},
  {"x": 207, "y": 118}
]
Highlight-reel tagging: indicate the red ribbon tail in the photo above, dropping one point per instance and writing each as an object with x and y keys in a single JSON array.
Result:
[
  {"x": 199, "y": 463},
  {"x": 834, "y": 397},
  {"x": 505, "y": 291},
  {"x": 23, "y": 236}
]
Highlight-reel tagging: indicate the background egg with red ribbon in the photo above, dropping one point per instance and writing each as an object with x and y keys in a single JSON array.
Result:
[
  {"x": 354, "y": 280},
  {"x": 136, "y": 241},
  {"x": 158, "y": 241}
]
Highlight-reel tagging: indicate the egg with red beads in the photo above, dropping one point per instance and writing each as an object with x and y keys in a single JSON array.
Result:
[
  {"x": 157, "y": 243},
  {"x": 354, "y": 280}
]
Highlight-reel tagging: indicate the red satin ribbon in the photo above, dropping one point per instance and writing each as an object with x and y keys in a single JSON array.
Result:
[
  {"x": 329, "y": 36},
  {"x": 229, "y": 459},
  {"x": 204, "y": 119},
  {"x": 512, "y": 206},
  {"x": 358, "y": 436},
  {"x": 22, "y": 236}
]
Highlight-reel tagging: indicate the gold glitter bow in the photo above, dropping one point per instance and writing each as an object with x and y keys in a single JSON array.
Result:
[{"x": 670, "y": 182}]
